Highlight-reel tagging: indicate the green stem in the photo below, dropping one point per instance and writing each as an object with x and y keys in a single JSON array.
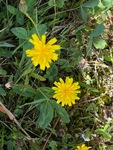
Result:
[
  {"x": 27, "y": 15},
  {"x": 20, "y": 127}
]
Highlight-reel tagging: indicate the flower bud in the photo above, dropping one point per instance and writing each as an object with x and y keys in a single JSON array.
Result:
[{"x": 23, "y": 7}]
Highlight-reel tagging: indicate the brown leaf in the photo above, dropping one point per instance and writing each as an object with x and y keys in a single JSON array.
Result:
[{"x": 4, "y": 110}]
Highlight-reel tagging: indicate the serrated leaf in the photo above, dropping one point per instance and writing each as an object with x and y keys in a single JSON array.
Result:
[
  {"x": 97, "y": 31},
  {"x": 5, "y": 53},
  {"x": 46, "y": 114},
  {"x": 91, "y": 3},
  {"x": 61, "y": 111},
  {"x": 99, "y": 43},
  {"x": 20, "y": 32}
]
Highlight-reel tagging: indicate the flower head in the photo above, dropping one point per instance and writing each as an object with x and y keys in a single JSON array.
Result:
[
  {"x": 42, "y": 54},
  {"x": 83, "y": 147},
  {"x": 66, "y": 92}
]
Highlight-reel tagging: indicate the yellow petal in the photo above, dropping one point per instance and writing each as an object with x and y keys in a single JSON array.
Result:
[{"x": 52, "y": 41}]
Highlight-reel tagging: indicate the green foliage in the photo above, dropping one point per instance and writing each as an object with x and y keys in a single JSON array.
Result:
[
  {"x": 97, "y": 31},
  {"x": 99, "y": 43},
  {"x": 105, "y": 130},
  {"x": 12, "y": 9},
  {"x": 84, "y": 31},
  {"x": 46, "y": 114},
  {"x": 61, "y": 111},
  {"x": 107, "y": 3},
  {"x": 2, "y": 92},
  {"x": 58, "y": 3},
  {"x": 5, "y": 53},
  {"x": 20, "y": 32},
  {"x": 91, "y": 3}
]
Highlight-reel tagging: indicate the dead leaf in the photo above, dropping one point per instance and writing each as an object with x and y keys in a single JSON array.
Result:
[{"x": 4, "y": 110}]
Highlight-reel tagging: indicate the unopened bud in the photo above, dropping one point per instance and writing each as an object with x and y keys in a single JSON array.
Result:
[{"x": 23, "y": 7}]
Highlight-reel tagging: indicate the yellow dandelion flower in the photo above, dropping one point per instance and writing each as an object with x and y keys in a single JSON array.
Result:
[
  {"x": 83, "y": 147},
  {"x": 66, "y": 92},
  {"x": 42, "y": 54}
]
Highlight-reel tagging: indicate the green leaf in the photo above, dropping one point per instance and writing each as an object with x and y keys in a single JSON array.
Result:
[
  {"x": 107, "y": 135},
  {"x": 104, "y": 133},
  {"x": 52, "y": 72},
  {"x": 53, "y": 145},
  {"x": 79, "y": 28},
  {"x": 46, "y": 114},
  {"x": 107, "y": 3},
  {"x": 12, "y": 9},
  {"x": 26, "y": 72},
  {"x": 5, "y": 44},
  {"x": 63, "y": 62},
  {"x": 89, "y": 47},
  {"x": 30, "y": 2},
  {"x": 107, "y": 55},
  {"x": 99, "y": 43},
  {"x": 41, "y": 29},
  {"x": 2, "y": 71},
  {"x": 97, "y": 31},
  {"x": 10, "y": 145},
  {"x": 107, "y": 126},
  {"x": 26, "y": 91},
  {"x": 37, "y": 76},
  {"x": 58, "y": 3},
  {"x": 47, "y": 91},
  {"x": 2, "y": 92},
  {"x": 5, "y": 53},
  {"x": 35, "y": 102},
  {"x": 83, "y": 14},
  {"x": 89, "y": 87},
  {"x": 20, "y": 18},
  {"x": 79, "y": 37},
  {"x": 20, "y": 32},
  {"x": 100, "y": 131},
  {"x": 61, "y": 111},
  {"x": 92, "y": 106},
  {"x": 91, "y": 3}
]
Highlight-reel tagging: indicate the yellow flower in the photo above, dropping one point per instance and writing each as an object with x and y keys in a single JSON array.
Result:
[
  {"x": 66, "y": 92},
  {"x": 42, "y": 54},
  {"x": 83, "y": 147}
]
